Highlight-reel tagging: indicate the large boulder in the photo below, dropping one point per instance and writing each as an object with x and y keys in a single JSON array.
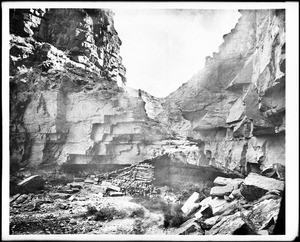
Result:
[
  {"x": 223, "y": 181},
  {"x": 263, "y": 182},
  {"x": 215, "y": 204},
  {"x": 252, "y": 193},
  {"x": 191, "y": 204},
  {"x": 232, "y": 225},
  {"x": 255, "y": 186},
  {"x": 264, "y": 214},
  {"x": 21, "y": 199},
  {"x": 31, "y": 184},
  {"x": 188, "y": 227},
  {"x": 110, "y": 187},
  {"x": 205, "y": 212},
  {"x": 220, "y": 191},
  {"x": 209, "y": 222},
  {"x": 229, "y": 208}
]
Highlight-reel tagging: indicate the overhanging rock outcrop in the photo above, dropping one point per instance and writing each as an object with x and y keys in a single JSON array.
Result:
[{"x": 236, "y": 104}]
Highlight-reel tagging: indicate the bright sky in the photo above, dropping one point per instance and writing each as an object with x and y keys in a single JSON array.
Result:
[{"x": 163, "y": 48}]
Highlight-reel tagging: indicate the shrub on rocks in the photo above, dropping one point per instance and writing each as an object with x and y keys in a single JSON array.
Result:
[
  {"x": 173, "y": 216},
  {"x": 139, "y": 212},
  {"x": 138, "y": 227},
  {"x": 108, "y": 213}
]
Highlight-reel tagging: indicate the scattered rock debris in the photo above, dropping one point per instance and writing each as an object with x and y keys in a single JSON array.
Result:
[{"x": 97, "y": 203}]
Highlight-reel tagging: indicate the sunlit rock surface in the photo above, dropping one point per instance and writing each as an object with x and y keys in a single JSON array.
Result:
[
  {"x": 68, "y": 99},
  {"x": 242, "y": 125}
]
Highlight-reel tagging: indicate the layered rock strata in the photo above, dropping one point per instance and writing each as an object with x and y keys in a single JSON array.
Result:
[
  {"x": 241, "y": 126},
  {"x": 68, "y": 102}
]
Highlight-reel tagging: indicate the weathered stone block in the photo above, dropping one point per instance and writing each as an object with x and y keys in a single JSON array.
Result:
[
  {"x": 110, "y": 187},
  {"x": 228, "y": 208},
  {"x": 188, "y": 227},
  {"x": 223, "y": 181},
  {"x": 263, "y": 182},
  {"x": 220, "y": 191},
  {"x": 232, "y": 224},
  {"x": 252, "y": 193},
  {"x": 116, "y": 194},
  {"x": 236, "y": 193},
  {"x": 190, "y": 205},
  {"x": 32, "y": 184},
  {"x": 208, "y": 223},
  {"x": 204, "y": 212},
  {"x": 59, "y": 195},
  {"x": 215, "y": 203},
  {"x": 237, "y": 112}
]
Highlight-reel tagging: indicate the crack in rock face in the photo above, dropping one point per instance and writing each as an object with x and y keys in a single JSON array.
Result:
[{"x": 223, "y": 130}]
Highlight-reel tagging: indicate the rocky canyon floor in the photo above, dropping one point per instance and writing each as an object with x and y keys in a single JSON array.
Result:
[
  {"x": 121, "y": 205},
  {"x": 89, "y": 211}
]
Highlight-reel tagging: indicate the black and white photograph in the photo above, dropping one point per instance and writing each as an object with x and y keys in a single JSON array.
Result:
[{"x": 150, "y": 121}]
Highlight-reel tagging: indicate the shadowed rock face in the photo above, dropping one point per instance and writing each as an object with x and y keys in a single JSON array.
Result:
[
  {"x": 86, "y": 36},
  {"x": 242, "y": 125},
  {"x": 68, "y": 103}
]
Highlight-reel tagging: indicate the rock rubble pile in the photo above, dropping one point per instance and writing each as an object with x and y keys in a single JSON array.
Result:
[{"x": 235, "y": 207}]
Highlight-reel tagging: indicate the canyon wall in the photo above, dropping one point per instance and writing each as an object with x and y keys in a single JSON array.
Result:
[
  {"x": 236, "y": 104},
  {"x": 69, "y": 103},
  {"x": 68, "y": 100}
]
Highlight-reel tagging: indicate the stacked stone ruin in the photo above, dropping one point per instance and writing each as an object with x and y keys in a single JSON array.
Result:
[{"x": 135, "y": 180}]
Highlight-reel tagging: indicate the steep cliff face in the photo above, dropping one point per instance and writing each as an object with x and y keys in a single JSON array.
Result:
[
  {"x": 236, "y": 104},
  {"x": 68, "y": 104},
  {"x": 86, "y": 36}
]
